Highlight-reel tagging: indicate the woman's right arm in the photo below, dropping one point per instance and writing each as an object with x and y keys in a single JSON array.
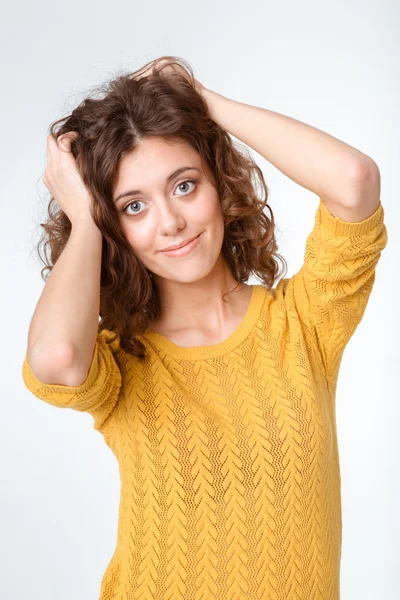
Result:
[
  {"x": 64, "y": 326},
  {"x": 68, "y": 363}
]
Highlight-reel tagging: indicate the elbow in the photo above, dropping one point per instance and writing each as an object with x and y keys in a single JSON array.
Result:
[
  {"x": 54, "y": 366},
  {"x": 362, "y": 186},
  {"x": 364, "y": 169}
]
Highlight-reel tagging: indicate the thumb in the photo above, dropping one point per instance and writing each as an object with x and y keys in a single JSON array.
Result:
[{"x": 65, "y": 140}]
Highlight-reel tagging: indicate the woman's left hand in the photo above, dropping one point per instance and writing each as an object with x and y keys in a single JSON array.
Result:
[{"x": 169, "y": 69}]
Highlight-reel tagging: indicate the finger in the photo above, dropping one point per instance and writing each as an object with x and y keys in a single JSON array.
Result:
[
  {"x": 65, "y": 140},
  {"x": 50, "y": 146},
  {"x": 51, "y": 143}
]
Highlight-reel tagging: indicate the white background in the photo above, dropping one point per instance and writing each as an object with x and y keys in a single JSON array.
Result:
[{"x": 332, "y": 65}]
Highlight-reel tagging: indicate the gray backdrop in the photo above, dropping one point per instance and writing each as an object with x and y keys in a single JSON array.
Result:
[{"x": 334, "y": 66}]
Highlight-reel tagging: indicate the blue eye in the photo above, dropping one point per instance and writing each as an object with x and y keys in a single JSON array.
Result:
[
  {"x": 124, "y": 210},
  {"x": 130, "y": 204}
]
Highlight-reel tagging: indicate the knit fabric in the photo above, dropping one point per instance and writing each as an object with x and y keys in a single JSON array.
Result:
[{"x": 228, "y": 456}]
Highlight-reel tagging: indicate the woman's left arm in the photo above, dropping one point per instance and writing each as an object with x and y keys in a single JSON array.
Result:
[{"x": 347, "y": 180}]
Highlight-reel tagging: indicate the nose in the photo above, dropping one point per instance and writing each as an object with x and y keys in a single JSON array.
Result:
[{"x": 170, "y": 219}]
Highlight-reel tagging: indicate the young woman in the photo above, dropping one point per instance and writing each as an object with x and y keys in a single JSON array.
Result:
[{"x": 220, "y": 411}]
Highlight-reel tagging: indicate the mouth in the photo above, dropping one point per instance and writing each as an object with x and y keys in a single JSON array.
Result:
[
  {"x": 183, "y": 250},
  {"x": 180, "y": 245}
]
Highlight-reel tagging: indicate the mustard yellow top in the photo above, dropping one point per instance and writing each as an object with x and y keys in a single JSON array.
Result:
[{"x": 228, "y": 456}]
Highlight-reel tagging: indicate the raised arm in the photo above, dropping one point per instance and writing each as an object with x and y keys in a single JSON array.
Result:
[
  {"x": 346, "y": 179},
  {"x": 64, "y": 326}
]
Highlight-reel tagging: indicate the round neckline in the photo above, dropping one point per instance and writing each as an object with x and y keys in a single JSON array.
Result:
[{"x": 211, "y": 351}]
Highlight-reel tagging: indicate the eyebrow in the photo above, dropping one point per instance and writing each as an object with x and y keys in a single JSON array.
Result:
[{"x": 169, "y": 178}]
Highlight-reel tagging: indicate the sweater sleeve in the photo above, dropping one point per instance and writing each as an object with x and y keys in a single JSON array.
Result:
[
  {"x": 97, "y": 395},
  {"x": 331, "y": 290}
]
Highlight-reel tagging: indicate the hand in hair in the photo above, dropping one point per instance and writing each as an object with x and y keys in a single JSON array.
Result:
[
  {"x": 63, "y": 180},
  {"x": 167, "y": 65}
]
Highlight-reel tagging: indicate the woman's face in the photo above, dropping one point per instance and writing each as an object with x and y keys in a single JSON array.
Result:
[{"x": 159, "y": 212}]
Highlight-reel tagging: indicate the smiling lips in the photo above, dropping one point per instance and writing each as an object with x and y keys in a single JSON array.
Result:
[
  {"x": 183, "y": 249},
  {"x": 176, "y": 246}
]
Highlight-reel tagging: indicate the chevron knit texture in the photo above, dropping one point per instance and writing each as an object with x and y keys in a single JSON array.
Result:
[{"x": 228, "y": 456}]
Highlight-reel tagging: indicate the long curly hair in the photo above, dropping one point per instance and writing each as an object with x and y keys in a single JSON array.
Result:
[{"x": 111, "y": 121}]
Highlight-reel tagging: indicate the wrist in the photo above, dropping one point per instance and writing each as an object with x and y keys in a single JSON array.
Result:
[
  {"x": 84, "y": 223},
  {"x": 214, "y": 102}
]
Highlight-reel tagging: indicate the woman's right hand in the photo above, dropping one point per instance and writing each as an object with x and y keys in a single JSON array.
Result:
[{"x": 63, "y": 180}]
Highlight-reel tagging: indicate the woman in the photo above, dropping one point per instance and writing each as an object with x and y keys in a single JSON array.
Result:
[{"x": 220, "y": 412}]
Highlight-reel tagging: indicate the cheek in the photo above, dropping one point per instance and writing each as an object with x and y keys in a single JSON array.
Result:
[
  {"x": 217, "y": 218},
  {"x": 210, "y": 211},
  {"x": 214, "y": 223},
  {"x": 139, "y": 238}
]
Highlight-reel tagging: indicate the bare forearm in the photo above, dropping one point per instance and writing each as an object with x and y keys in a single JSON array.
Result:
[
  {"x": 312, "y": 158},
  {"x": 65, "y": 321}
]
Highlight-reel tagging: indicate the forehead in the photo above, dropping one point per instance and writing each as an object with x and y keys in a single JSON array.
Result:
[{"x": 154, "y": 159}]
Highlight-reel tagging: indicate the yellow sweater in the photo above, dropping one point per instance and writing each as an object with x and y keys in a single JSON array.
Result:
[{"x": 228, "y": 456}]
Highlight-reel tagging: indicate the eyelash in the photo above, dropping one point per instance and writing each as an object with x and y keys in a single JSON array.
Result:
[{"x": 123, "y": 210}]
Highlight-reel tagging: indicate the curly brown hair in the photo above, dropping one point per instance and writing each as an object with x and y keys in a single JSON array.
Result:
[{"x": 128, "y": 109}]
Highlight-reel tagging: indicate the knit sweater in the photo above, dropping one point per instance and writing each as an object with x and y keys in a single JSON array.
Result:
[{"x": 228, "y": 455}]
